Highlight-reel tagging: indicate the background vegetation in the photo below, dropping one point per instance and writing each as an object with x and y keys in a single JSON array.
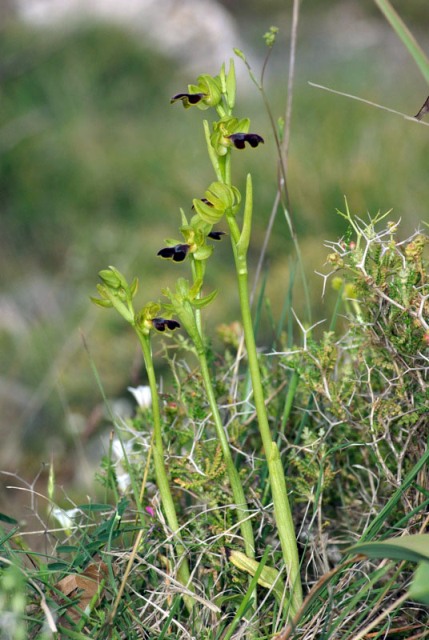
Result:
[{"x": 95, "y": 163}]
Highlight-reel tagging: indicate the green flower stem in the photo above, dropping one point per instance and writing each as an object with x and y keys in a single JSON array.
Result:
[
  {"x": 228, "y": 168},
  {"x": 234, "y": 478},
  {"x": 214, "y": 158},
  {"x": 282, "y": 510},
  {"x": 183, "y": 572},
  {"x": 286, "y": 529},
  {"x": 198, "y": 272}
]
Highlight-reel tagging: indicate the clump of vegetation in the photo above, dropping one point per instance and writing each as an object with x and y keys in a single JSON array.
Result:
[{"x": 232, "y": 498}]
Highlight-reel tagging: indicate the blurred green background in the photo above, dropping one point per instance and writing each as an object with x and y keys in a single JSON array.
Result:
[{"x": 95, "y": 163}]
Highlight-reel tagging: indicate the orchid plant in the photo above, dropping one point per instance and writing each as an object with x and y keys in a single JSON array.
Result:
[{"x": 221, "y": 200}]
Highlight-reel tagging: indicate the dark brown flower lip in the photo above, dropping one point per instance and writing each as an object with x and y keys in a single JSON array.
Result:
[
  {"x": 177, "y": 253},
  {"x": 216, "y": 235},
  {"x": 161, "y": 324},
  {"x": 188, "y": 98},
  {"x": 239, "y": 139}
]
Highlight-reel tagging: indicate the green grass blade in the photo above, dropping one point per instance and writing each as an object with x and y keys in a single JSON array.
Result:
[
  {"x": 405, "y": 36},
  {"x": 378, "y": 522},
  {"x": 414, "y": 548}
]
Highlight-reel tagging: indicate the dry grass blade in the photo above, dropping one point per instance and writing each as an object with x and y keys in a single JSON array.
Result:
[{"x": 369, "y": 102}]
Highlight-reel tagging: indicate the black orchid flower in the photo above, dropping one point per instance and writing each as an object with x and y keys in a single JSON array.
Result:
[
  {"x": 216, "y": 235},
  {"x": 177, "y": 253},
  {"x": 188, "y": 99},
  {"x": 161, "y": 324},
  {"x": 239, "y": 139}
]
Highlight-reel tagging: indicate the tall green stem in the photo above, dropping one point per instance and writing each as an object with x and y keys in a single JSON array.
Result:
[
  {"x": 234, "y": 478},
  {"x": 282, "y": 512},
  {"x": 183, "y": 572}
]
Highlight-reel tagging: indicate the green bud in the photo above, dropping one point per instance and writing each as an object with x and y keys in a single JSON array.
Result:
[
  {"x": 240, "y": 54},
  {"x": 270, "y": 36},
  {"x": 110, "y": 278},
  {"x": 219, "y": 198},
  {"x": 115, "y": 292}
]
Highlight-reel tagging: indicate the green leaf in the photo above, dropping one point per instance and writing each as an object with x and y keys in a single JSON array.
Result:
[
  {"x": 8, "y": 519},
  {"x": 134, "y": 286},
  {"x": 106, "y": 304},
  {"x": 243, "y": 243},
  {"x": 268, "y": 577},
  {"x": 57, "y": 566},
  {"x": 419, "y": 589},
  {"x": 66, "y": 548},
  {"x": 73, "y": 635},
  {"x": 413, "y": 548},
  {"x": 200, "y": 303},
  {"x": 122, "y": 506}
]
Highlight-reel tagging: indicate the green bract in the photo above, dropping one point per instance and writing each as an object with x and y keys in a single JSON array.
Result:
[{"x": 228, "y": 84}]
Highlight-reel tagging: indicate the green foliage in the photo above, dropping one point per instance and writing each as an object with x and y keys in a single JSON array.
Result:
[{"x": 57, "y": 173}]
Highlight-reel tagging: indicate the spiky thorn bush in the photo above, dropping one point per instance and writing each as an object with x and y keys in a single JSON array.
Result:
[{"x": 365, "y": 393}]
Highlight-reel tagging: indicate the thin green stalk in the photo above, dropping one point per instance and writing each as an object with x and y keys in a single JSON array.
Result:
[
  {"x": 187, "y": 303},
  {"x": 234, "y": 478},
  {"x": 282, "y": 511},
  {"x": 183, "y": 572}
]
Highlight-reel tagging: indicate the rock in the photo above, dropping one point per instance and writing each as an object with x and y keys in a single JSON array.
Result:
[{"x": 200, "y": 33}]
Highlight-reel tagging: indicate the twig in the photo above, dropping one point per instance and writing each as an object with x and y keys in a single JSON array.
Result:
[{"x": 369, "y": 102}]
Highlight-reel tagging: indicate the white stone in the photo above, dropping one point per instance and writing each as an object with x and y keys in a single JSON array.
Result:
[{"x": 197, "y": 32}]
